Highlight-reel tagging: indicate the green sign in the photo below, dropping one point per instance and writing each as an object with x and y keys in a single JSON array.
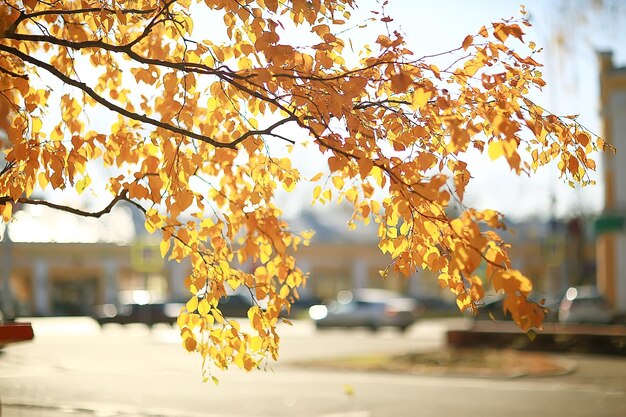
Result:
[{"x": 609, "y": 223}]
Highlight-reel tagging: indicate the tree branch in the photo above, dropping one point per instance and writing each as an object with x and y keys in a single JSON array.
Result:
[
  {"x": 266, "y": 131},
  {"x": 123, "y": 196},
  {"x": 155, "y": 20},
  {"x": 132, "y": 115},
  {"x": 124, "y": 49},
  {"x": 7, "y": 167},
  {"x": 13, "y": 74},
  {"x": 111, "y": 106}
]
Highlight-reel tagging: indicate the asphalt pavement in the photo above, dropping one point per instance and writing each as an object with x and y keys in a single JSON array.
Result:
[{"x": 73, "y": 368}]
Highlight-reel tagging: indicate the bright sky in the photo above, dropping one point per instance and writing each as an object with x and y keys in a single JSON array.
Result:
[{"x": 570, "y": 32}]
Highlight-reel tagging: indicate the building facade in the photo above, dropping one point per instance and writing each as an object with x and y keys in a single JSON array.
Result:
[
  {"x": 611, "y": 225},
  {"x": 70, "y": 278}
]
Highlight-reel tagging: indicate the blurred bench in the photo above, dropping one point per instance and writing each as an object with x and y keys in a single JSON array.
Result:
[
  {"x": 15, "y": 332},
  {"x": 603, "y": 339}
]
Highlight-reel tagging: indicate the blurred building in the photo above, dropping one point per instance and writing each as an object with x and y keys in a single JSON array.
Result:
[
  {"x": 554, "y": 254},
  {"x": 610, "y": 227},
  {"x": 342, "y": 259},
  {"x": 61, "y": 264}
]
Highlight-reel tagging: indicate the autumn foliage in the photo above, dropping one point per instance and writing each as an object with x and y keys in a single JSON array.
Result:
[{"x": 196, "y": 121}]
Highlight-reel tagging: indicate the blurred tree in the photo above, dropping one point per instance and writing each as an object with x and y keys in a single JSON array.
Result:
[{"x": 192, "y": 144}]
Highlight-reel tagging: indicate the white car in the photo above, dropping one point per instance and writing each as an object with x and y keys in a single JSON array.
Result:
[
  {"x": 371, "y": 308},
  {"x": 584, "y": 305}
]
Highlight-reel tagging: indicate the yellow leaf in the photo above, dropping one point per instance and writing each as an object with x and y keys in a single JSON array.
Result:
[
  {"x": 203, "y": 307},
  {"x": 289, "y": 184},
  {"x": 192, "y": 304},
  {"x": 56, "y": 135},
  {"x": 352, "y": 194},
  {"x": 338, "y": 182},
  {"x": 217, "y": 315},
  {"x": 37, "y": 124},
  {"x": 7, "y": 210},
  {"x": 224, "y": 267},
  {"x": 256, "y": 343},
  {"x": 42, "y": 179},
  {"x": 307, "y": 234},
  {"x": 495, "y": 149},
  {"x": 164, "y": 246},
  {"x": 150, "y": 226},
  {"x": 316, "y": 192},
  {"x": 435, "y": 69},
  {"x": 82, "y": 184},
  {"x": 420, "y": 98}
]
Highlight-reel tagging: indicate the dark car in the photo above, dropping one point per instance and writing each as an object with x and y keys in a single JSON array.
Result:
[
  {"x": 434, "y": 306},
  {"x": 493, "y": 308},
  {"x": 300, "y": 307},
  {"x": 371, "y": 308},
  {"x": 149, "y": 314},
  {"x": 236, "y": 304}
]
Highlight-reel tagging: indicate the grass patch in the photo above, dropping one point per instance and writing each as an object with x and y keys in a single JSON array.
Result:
[{"x": 453, "y": 362}]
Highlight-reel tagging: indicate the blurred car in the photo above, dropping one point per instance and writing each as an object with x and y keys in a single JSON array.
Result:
[
  {"x": 149, "y": 314},
  {"x": 236, "y": 304},
  {"x": 7, "y": 312},
  {"x": 493, "y": 307},
  {"x": 434, "y": 305},
  {"x": 584, "y": 305},
  {"x": 300, "y": 307},
  {"x": 369, "y": 307}
]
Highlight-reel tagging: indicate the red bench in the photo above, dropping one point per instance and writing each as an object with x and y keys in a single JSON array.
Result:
[{"x": 15, "y": 332}]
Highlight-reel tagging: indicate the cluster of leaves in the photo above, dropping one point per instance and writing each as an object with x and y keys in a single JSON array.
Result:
[{"x": 196, "y": 119}]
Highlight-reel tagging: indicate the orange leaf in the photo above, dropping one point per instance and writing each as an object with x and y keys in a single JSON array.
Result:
[{"x": 467, "y": 42}]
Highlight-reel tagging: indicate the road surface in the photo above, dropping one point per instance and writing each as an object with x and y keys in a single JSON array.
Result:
[{"x": 74, "y": 368}]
